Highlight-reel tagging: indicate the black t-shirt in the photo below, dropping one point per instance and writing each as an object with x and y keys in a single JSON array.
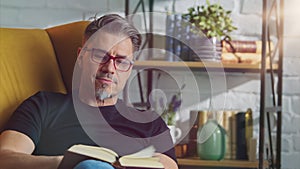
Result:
[{"x": 52, "y": 123}]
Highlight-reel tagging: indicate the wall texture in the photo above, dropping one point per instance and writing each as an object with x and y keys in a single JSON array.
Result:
[{"x": 242, "y": 89}]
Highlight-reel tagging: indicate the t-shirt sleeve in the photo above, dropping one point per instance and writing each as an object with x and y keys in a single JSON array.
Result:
[{"x": 29, "y": 116}]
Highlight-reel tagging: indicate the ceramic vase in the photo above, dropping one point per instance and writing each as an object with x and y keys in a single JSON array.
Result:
[{"x": 211, "y": 141}]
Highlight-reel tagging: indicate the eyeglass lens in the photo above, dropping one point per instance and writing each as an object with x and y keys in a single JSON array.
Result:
[{"x": 102, "y": 57}]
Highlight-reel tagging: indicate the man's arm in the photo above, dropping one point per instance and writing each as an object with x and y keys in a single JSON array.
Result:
[
  {"x": 15, "y": 153},
  {"x": 168, "y": 162}
]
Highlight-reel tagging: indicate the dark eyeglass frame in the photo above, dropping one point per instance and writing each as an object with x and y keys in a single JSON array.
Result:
[{"x": 109, "y": 57}]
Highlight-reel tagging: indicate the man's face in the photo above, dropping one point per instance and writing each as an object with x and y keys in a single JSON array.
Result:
[{"x": 104, "y": 78}]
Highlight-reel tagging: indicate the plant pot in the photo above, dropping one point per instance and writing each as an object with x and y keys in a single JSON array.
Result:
[
  {"x": 205, "y": 49},
  {"x": 175, "y": 133}
]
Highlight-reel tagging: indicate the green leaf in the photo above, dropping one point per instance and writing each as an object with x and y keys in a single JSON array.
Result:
[
  {"x": 212, "y": 19},
  {"x": 208, "y": 2},
  {"x": 196, "y": 17}
]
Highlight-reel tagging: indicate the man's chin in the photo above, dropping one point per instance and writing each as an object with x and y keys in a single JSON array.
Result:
[{"x": 102, "y": 95}]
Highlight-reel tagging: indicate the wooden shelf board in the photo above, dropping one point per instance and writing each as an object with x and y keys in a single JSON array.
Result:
[
  {"x": 194, "y": 161},
  {"x": 154, "y": 64}
]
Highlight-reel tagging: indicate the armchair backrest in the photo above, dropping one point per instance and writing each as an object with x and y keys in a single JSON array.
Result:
[{"x": 33, "y": 60}]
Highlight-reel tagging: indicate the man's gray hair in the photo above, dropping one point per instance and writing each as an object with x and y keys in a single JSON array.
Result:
[{"x": 115, "y": 24}]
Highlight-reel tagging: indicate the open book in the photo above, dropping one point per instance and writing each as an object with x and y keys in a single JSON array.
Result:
[{"x": 141, "y": 159}]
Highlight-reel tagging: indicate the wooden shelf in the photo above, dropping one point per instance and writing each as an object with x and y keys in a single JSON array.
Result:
[
  {"x": 194, "y": 161},
  {"x": 194, "y": 65}
]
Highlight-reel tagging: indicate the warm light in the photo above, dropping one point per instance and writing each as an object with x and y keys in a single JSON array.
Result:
[{"x": 291, "y": 18}]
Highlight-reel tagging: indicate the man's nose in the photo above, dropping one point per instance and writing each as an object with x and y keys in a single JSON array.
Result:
[{"x": 109, "y": 66}]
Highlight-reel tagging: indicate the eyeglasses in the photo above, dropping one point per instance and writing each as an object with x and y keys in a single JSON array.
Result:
[{"x": 102, "y": 57}]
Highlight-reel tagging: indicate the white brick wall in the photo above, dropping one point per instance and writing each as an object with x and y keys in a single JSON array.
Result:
[
  {"x": 290, "y": 160},
  {"x": 251, "y": 7},
  {"x": 296, "y": 141},
  {"x": 291, "y": 126},
  {"x": 291, "y": 85},
  {"x": 295, "y": 105},
  {"x": 23, "y": 4},
  {"x": 286, "y": 144},
  {"x": 292, "y": 66},
  {"x": 291, "y": 42},
  {"x": 46, "y": 13},
  {"x": 243, "y": 89}
]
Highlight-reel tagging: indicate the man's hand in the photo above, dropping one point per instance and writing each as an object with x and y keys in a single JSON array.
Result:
[{"x": 168, "y": 162}]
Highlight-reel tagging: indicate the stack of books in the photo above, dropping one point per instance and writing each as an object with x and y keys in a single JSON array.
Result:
[{"x": 241, "y": 51}]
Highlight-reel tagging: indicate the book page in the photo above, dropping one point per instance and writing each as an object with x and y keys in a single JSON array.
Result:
[
  {"x": 142, "y": 158},
  {"x": 151, "y": 162},
  {"x": 95, "y": 152},
  {"x": 144, "y": 153}
]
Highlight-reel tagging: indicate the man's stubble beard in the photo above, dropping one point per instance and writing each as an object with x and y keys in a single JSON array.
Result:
[{"x": 102, "y": 94}]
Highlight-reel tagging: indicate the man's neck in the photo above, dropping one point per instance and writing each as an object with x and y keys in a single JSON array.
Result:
[{"x": 107, "y": 102}]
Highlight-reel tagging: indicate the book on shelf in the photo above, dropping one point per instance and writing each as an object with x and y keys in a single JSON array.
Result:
[
  {"x": 248, "y": 127},
  {"x": 225, "y": 122},
  {"x": 250, "y": 58},
  {"x": 241, "y": 145},
  {"x": 141, "y": 159},
  {"x": 232, "y": 136},
  {"x": 197, "y": 119},
  {"x": 245, "y": 46},
  {"x": 181, "y": 150}
]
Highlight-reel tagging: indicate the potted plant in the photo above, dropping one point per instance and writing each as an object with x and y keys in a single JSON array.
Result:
[
  {"x": 212, "y": 19},
  {"x": 169, "y": 113},
  {"x": 214, "y": 22}
]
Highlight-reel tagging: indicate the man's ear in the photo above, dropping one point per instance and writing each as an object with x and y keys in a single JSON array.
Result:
[
  {"x": 78, "y": 51},
  {"x": 79, "y": 58}
]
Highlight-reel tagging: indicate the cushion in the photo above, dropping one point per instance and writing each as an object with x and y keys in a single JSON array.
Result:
[
  {"x": 68, "y": 36},
  {"x": 27, "y": 64}
]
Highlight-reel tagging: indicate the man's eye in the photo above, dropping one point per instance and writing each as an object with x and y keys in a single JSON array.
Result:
[
  {"x": 101, "y": 58},
  {"x": 121, "y": 61},
  {"x": 118, "y": 61},
  {"x": 98, "y": 56},
  {"x": 105, "y": 58}
]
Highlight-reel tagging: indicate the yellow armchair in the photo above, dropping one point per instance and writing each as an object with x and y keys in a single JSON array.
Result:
[{"x": 33, "y": 60}]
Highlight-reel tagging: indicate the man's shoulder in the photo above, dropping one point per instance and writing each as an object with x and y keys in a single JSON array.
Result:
[
  {"x": 51, "y": 94},
  {"x": 51, "y": 97}
]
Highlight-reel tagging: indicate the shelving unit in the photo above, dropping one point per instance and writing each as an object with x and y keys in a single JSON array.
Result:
[
  {"x": 224, "y": 163},
  {"x": 263, "y": 68},
  {"x": 202, "y": 66},
  {"x": 152, "y": 65}
]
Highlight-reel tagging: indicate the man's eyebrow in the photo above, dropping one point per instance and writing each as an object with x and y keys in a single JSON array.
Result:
[
  {"x": 100, "y": 50},
  {"x": 121, "y": 56}
]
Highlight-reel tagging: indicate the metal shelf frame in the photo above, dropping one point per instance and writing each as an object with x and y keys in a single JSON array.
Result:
[{"x": 267, "y": 12}]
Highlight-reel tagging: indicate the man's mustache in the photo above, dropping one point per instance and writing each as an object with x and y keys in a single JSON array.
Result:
[{"x": 109, "y": 76}]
